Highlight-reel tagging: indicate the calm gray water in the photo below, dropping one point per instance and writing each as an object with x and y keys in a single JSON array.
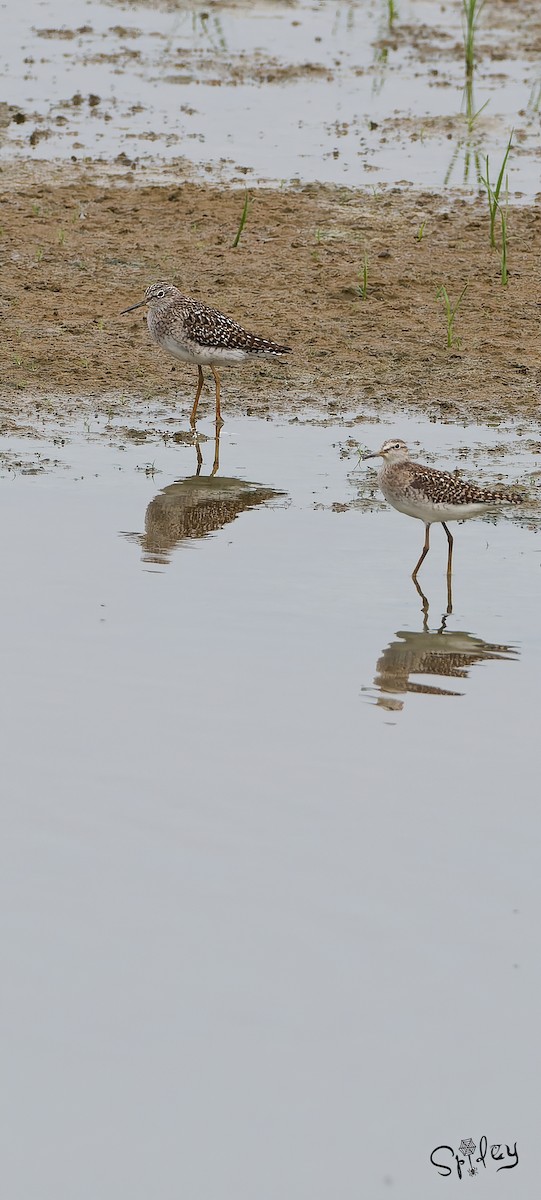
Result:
[
  {"x": 223, "y": 87},
  {"x": 270, "y": 919}
]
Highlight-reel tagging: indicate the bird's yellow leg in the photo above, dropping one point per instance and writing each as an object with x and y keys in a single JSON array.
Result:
[{"x": 450, "y": 555}]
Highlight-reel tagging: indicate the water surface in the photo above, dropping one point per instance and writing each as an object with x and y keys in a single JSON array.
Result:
[
  {"x": 320, "y": 91},
  {"x": 264, "y": 931}
]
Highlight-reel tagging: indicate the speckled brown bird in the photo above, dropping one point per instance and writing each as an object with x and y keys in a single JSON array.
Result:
[
  {"x": 431, "y": 495},
  {"x": 201, "y": 335}
]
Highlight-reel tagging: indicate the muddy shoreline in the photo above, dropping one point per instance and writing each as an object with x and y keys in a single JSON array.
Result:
[{"x": 75, "y": 255}]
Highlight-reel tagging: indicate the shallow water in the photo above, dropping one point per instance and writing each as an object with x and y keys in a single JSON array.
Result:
[
  {"x": 269, "y": 925},
  {"x": 315, "y": 91}
]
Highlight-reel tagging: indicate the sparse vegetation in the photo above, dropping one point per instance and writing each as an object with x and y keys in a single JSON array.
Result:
[
  {"x": 392, "y": 13},
  {"x": 472, "y": 114},
  {"x": 149, "y": 469},
  {"x": 363, "y": 279},
  {"x": 242, "y": 221},
  {"x": 451, "y": 312},
  {"x": 472, "y": 11},
  {"x": 493, "y": 191},
  {"x": 503, "y": 250}
]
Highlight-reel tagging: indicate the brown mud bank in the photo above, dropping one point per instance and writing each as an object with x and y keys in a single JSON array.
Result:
[{"x": 348, "y": 278}]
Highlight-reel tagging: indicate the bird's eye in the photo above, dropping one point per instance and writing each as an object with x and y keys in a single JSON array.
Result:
[{"x": 160, "y": 294}]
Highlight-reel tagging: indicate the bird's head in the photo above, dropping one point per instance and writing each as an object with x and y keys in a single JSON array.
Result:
[
  {"x": 394, "y": 450},
  {"x": 156, "y": 295}
]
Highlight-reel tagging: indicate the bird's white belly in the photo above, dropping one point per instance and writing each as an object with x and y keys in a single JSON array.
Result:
[
  {"x": 206, "y": 356},
  {"x": 425, "y": 510}
]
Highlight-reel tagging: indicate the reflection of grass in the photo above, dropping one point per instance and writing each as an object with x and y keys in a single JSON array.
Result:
[
  {"x": 469, "y": 143},
  {"x": 212, "y": 28},
  {"x": 339, "y": 16},
  {"x": 381, "y": 62},
  {"x": 469, "y": 104},
  {"x": 450, "y": 312},
  {"x": 472, "y": 162},
  {"x": 534, "y": 100}
]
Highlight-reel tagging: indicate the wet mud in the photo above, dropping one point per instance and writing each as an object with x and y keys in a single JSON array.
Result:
[{"x": 349, "y": 279}]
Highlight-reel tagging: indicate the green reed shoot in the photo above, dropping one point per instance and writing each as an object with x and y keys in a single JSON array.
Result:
[
  {"x": 472, "y": 12},
  {"x": 472, "y": 114},
  {"x": 392, "y": 13},
  {"x": 363, "y": 280},
  {"x": 503, "y": 252},
  {"x": 450, "y": 312},
  {"x": 493, "y": 191},
  {"x": 420, "y": 231},
  {"x": 242, "y": 221}
]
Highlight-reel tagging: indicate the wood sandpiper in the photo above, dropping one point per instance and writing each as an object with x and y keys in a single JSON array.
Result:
[
  {"x": 431, "y": 495},
  {"x": 201, "y": 335}
]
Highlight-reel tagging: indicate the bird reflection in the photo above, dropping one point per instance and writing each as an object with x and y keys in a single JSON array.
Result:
[
  {"x": 196, "y": 507},
  {"x": 442, "y": 652}
]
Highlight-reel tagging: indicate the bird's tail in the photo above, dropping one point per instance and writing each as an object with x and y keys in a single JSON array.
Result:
[{"x": 260, "y": 345}]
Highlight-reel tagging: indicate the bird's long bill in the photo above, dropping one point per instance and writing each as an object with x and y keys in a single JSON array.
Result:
[
  {"x": 132, "y": 306},
  {"x": 374, "y": 454}
]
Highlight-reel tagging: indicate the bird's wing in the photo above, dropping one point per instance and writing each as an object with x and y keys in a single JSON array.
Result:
[
  {"x": 450, "y": 489},
  {"x": 424, "y": 477},
  {"x": 209, "y": 327}
]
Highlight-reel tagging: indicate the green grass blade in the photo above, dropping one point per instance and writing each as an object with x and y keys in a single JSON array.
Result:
[{"x": 242, "y": 221}]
